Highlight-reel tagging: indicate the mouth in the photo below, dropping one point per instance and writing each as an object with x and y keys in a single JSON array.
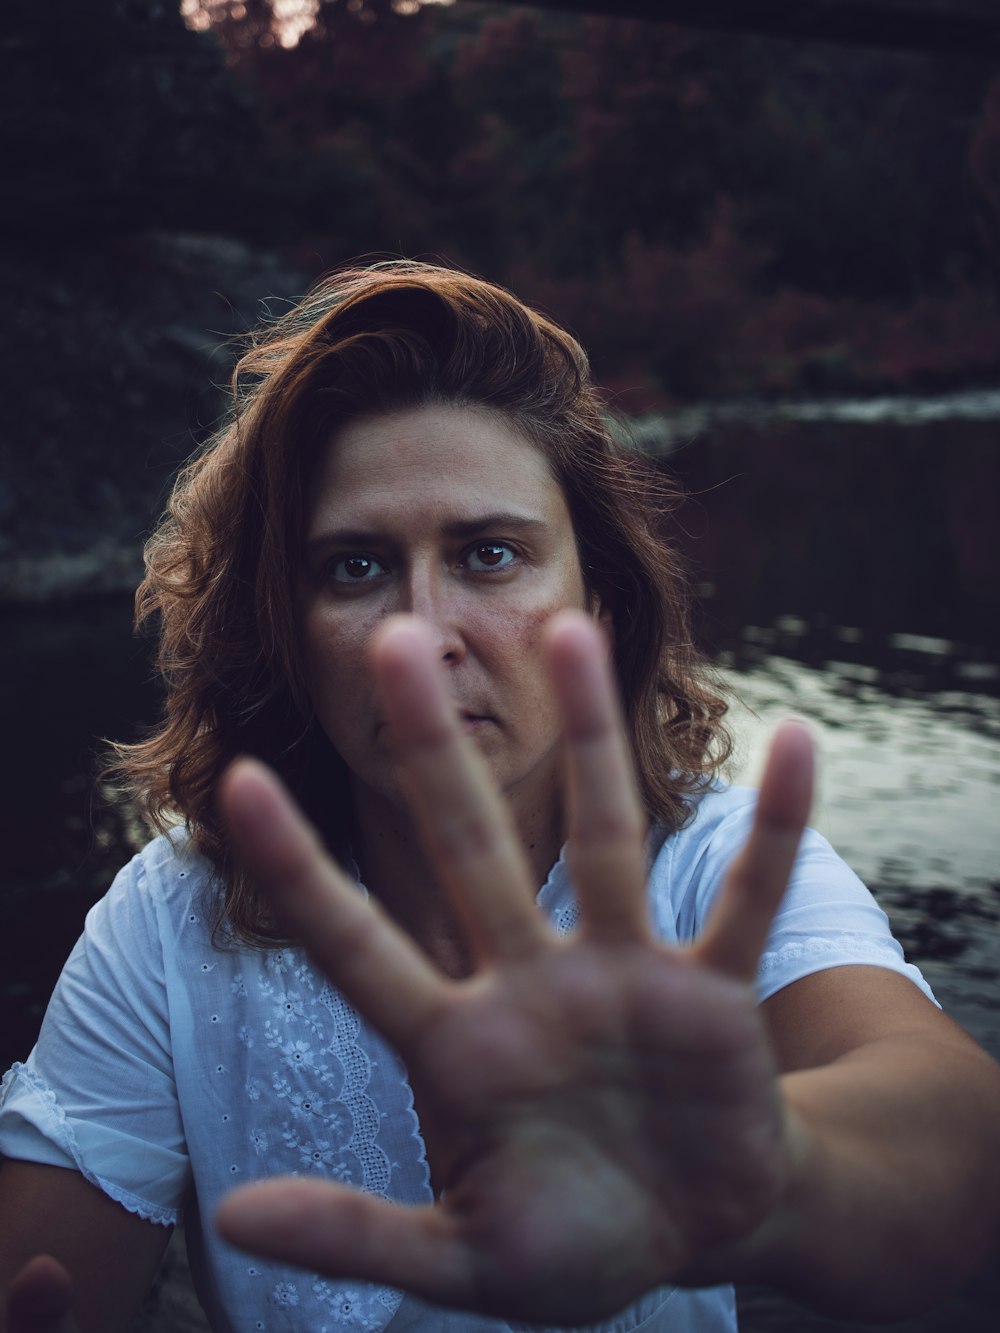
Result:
[
  {"x": 469, "y": 722},
  {"x": 473, "y": 722}
]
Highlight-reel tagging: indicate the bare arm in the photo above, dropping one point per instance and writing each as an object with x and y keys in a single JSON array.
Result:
[
  {"x": 109, "y": 1254},
  {"x": 895, "y": 1113}
]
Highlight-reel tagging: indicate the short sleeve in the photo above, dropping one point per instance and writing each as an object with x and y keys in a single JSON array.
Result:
[
  {"x": 98, "y": 1091},
  {"x": 827, "y": 918}
]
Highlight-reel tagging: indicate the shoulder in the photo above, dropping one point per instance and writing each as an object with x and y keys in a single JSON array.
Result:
[
  {"x": 827, "y": 917},
  {"x": 687, "y": 867},
  {"x": 167, "y": 867},
  {"x": 169, "y": 860},
  {"x": 153, "y": 894},
  {"x": 720, "y": 819}
]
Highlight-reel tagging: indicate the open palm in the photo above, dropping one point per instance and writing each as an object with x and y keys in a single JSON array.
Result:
[{"x": 601, "y": 1111}]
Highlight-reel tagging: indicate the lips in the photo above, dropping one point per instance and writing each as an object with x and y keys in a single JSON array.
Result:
[{"x": 471, "y": 720}]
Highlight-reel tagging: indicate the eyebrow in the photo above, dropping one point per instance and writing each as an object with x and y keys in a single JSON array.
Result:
[{"x": 455, "y": 528}]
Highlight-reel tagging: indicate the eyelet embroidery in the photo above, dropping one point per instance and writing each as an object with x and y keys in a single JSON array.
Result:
[{"x": 305, "y": 1107}]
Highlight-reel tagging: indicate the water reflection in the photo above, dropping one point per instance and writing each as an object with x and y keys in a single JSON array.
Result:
[
  {"x": 908, "y": 795},
  {"x": 661, "y": 432},
  {"x": 881, "y": 532}
]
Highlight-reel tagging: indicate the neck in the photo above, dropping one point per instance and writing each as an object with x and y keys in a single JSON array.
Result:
[{"x": 395, "y": 869}]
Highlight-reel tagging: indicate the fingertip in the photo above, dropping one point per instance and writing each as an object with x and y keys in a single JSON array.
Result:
[
  {"x": 796, "y": 723},
  {"x": 797, "y": 740},
  {"x": 789, "y": 776},
  {"x": 399, "y": 637},
  {"x": 41, "y": 1294},
  {"x": 248, "y": 1216},
  {"x": 271, "y": 838},
  {"x": 248, "y": 794},
  {"x": 576, "y": 647},
  {"x": 242, "y": 770},
  {"x": 237, "y": 1205},
  {"x": 412, "y": 688},
  {"x": 572, "y": 626}
]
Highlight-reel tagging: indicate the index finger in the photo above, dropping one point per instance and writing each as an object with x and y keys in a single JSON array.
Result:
[
  {"x": 751, "y": 893},
  {"x": 365, "y": 954}
]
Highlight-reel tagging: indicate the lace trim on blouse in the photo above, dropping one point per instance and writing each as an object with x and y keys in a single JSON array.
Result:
[
  {"x": 61, "y": 1132},
  {"x": 854, "y": 945}
]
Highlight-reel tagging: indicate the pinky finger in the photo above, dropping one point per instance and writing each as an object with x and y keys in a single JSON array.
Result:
[{"x": 751, "y": 893}]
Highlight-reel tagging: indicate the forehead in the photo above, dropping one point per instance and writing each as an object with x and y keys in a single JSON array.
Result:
[{"x": 432, "y": 459}]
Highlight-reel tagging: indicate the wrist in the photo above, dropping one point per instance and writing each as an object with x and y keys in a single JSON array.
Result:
[{"x": 771, "y": 1248}]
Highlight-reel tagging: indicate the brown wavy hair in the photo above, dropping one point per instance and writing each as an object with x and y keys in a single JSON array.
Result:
[{"x": 222, "y": 568}]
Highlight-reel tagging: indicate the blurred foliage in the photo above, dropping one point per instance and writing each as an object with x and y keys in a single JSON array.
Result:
[
  {"x": 713, "y": 213},
  {"x": 114, "y": 116}
]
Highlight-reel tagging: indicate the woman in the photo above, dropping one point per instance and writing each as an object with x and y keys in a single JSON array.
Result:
[{"x": 396, "y": 576}]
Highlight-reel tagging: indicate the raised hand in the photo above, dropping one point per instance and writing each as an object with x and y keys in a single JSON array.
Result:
[{"x": 601, "y": 1111}]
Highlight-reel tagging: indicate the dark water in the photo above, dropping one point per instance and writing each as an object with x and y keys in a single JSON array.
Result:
[
  {"x": 908, "y": 792},
  {"x": 69, "y": 675},
  {"x": 879, "y": 527},
  {"x": 848, "y": 563},
  {"x": 849, "y": 572}
]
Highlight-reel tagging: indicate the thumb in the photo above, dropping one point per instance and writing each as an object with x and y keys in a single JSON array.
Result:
[{"x": 41, "y": 1299}]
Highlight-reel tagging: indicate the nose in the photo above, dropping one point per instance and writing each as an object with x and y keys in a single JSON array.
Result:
[{"x": 427, "y": 595}]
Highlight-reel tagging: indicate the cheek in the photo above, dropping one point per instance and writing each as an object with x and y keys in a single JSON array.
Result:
[
  {"x": 517, "y": 634},
  {"x": 520, "y": 646},
  {"x": 335, "y": 651},
  {"x": 316, "y": 651},
  {"x": 529, "y": 627},
  {"x": 534, "y": 628}
]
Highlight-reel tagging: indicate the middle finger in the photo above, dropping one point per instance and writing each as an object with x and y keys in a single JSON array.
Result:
[{"x": 462, "y": 818}]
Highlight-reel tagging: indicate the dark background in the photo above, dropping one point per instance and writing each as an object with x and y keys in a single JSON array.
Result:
[
  {"x": 716, "y": 212},
  {"x": 778, "y": 233}
]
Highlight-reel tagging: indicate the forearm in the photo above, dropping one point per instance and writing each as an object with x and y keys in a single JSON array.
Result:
[
  {"x": 109, "y": 1255},
  {"x": 893, "y": 1194}
]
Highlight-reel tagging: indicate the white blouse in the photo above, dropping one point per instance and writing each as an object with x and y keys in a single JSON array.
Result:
[{"x": 170, "y": 1069}]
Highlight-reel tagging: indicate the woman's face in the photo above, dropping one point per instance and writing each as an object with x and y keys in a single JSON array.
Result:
[{"x": 449, "y": 514}]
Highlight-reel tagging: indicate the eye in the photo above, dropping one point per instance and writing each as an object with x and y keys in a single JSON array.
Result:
[
  {"x": 355, "y": 568},
  {"x": 488, "y": 556}
]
